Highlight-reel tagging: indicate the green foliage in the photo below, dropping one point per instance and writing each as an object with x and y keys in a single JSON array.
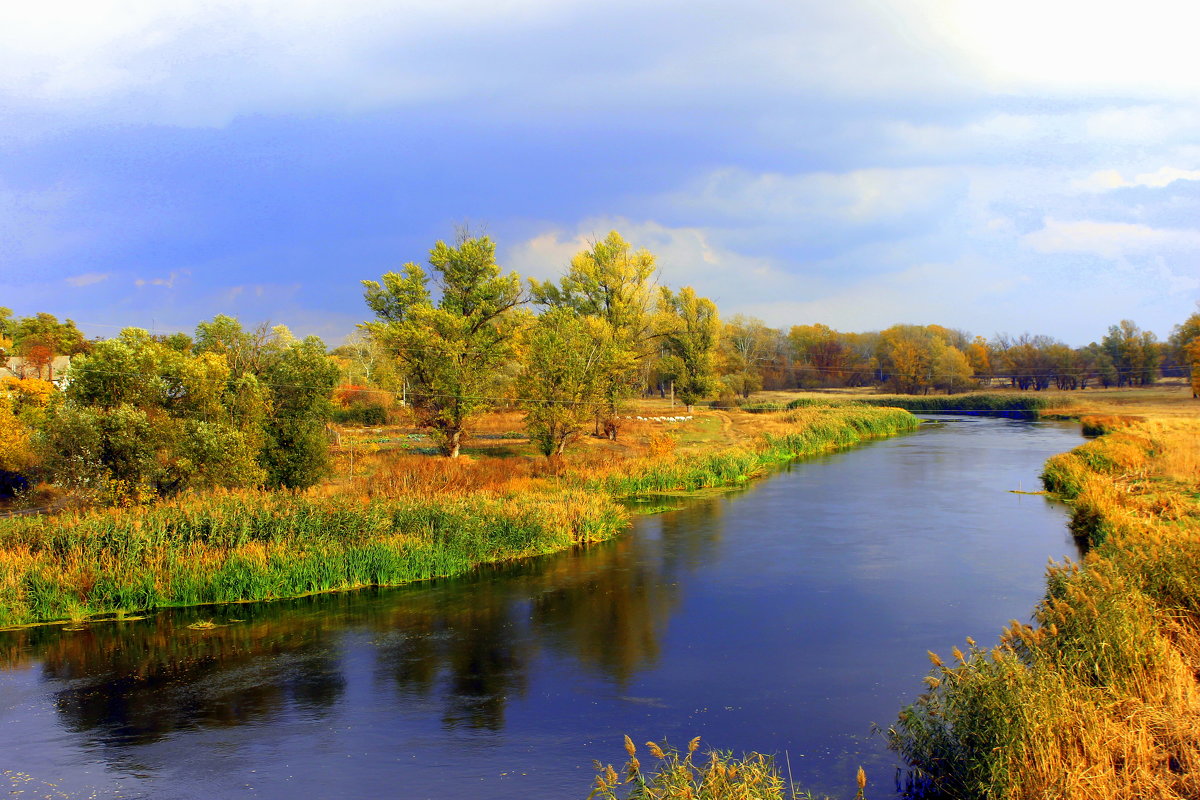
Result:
[
  {"x": 301, "y": 378},
  {"x": 1134, "y": 353},
  {"x": 42, "y": 329},
  {"x": 610, "y": 282},
  {"x": 452, "y": 354},
  {"x": 565, "y": 377},
  {"x": 365, "y": 415},
  {"x": 150, "y": 416},
  {"x": 974, "y": 402},
  {"x": 815, "y": 431},
  {"x": 690, "y": 327}
]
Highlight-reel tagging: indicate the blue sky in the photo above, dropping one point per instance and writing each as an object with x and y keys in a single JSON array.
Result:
[{"x": 996, "y": 167}]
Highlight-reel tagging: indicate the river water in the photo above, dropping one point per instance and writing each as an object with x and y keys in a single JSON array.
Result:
[{"x": 786, "y": 618}]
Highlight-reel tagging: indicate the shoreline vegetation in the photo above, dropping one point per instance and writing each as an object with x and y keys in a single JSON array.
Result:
[
  {"x": 414, "y": 518},
  {"x": 1099, "y": 698}
]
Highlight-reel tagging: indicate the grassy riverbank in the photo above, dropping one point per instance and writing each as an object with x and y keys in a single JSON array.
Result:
[
  {"x": 1099, "y": 698},
  {"x": 409, "y": 518}
]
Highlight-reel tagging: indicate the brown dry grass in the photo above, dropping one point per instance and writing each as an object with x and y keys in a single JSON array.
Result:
[{"x": 1101, "y": 699}]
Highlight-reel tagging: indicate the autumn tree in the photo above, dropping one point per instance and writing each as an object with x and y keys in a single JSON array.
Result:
[
  {"x": 451, "y": 352},
  {"x": 564, "y": 379},
  {"x": 907, "y": 353},
  {"x": 825, "y": 357},
  {"x": 979, "y": 356},
  {"x": 44, "y": 330},
  {"x": 691, "y": 329},
  {"x": 951, "y": 369},
  {"x": 1191, "y": 351},
  {"x": 1179, "y": 342},
  {"x": 612, "y": 282},
  {"x": 747, "y": 346}
]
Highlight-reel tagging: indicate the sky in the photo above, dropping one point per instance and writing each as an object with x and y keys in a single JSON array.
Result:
[{"x": 994, "y": 167}]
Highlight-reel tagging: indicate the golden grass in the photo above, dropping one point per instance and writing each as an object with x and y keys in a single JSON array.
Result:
[{"x": 1100, "y": 699}]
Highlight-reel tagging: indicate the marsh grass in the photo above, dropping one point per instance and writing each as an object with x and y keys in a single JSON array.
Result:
[
  {"x": 404, "y": 518},
  {"x": 714, "y": 775},
  {"x": 238, "y": 546},
  {"x": 785, "y": 437},
  {"x": 1099, "y": 698}
]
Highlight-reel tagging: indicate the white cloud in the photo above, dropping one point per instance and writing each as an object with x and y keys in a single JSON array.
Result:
[
  {"x": 88, "y": 279},
  {"x": 1103, "y": 47},
  {"x": 167, "y": 282},
  {"x": 857, "y": 197},
  {"x": 1105, "y": 180},
  {"x": 1109, "y": 239}
]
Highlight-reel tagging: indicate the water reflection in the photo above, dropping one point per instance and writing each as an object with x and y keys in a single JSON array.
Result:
[{"x": 468, "y": 643}]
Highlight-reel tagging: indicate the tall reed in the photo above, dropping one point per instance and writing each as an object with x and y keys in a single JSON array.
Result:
[{"x": 1099, "y": 698}]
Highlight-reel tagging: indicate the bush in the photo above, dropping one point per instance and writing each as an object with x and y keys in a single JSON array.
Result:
[{"x": 364, "y": 416}]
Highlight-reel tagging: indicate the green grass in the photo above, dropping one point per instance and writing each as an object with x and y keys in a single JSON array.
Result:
[
  {"x": 259, "y": 545},
  {"x": 804, "y": 434},
  {"x": 976, "y": 402}
]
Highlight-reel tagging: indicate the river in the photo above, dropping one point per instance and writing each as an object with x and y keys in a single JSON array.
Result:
[{"x": 786, "y": 618}]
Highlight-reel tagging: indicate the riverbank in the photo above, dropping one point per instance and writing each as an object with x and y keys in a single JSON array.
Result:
[
  {"x": 1099, "y": 698},
  {"x": 412, "y": 517}
]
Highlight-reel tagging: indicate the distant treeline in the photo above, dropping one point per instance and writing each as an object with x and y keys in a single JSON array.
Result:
[
  {"x": 916, "y": 359},
  {"x": 143, "y": 415}
]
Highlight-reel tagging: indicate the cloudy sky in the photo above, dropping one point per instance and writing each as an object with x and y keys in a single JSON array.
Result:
[{"x": 996, "y": 167}]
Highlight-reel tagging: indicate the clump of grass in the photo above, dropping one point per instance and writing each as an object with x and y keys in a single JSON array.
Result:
[
  {"x": 715, "y": 775},
  {"x": 798, "y": 433},
  {"x": 1100, "y": 697}
]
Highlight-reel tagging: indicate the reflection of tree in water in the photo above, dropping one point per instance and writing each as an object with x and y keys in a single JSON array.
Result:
[
  {"x": 469, "y": 642},
  {"x": 136, "y": 682},
  {"x": 610, "y": 608},
  {"x": 462, "y": 643}
]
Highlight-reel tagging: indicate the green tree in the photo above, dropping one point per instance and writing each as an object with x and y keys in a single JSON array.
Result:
[
  {"x": 612, "y": 282},
  {"x": 63, "y": 338},
  {"x": 452, "y": 354},
  {"x": 691, "y": 329},
  {"x": 154, "y": 419},
  {"x": 564, "y": 377},
  {"x": 300, "y": 377},
  {"x": 1134, "y": 353},
  {"x": 6, "y": 333}
]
